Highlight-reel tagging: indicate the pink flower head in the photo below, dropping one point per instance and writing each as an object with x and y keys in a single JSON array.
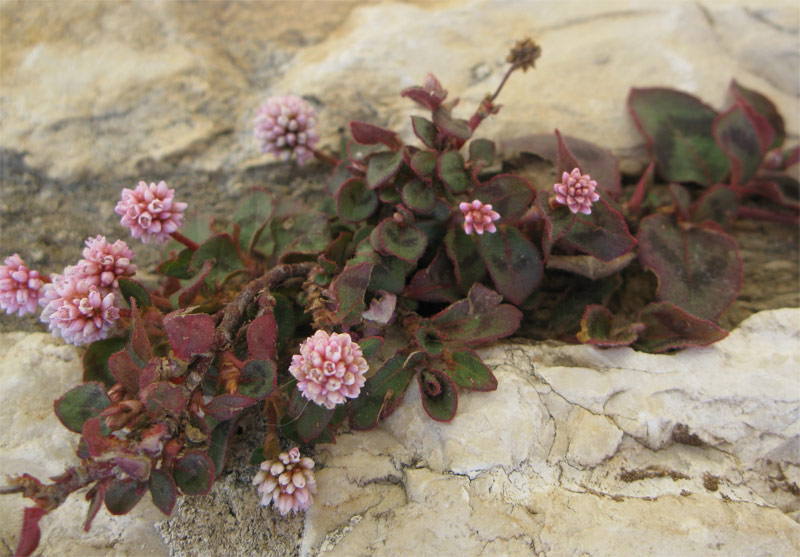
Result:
[
  {"x": 76, "y": 310},
  {"x": 103, "y": 263},
  {"x": 284, "y": 126},
  {"x": 20, "y": 288},
  {"x": 151, "y": 211},
  {"x": 576, "y": 191},
  {"x": 288, "y": 482},
  {"x": 478, "y": 217},
  {"x": 329, "y": 368}
]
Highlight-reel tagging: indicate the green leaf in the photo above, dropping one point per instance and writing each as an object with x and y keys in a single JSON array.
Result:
[
  {"x": 763, "y": 106},
  {"x": 312, "y": 419},
  {"x": 381, "y": 394},
  {"x": 677, "y": 127},
  {"x": 452, "y": 172},
  {"x": 252, "y": 216},
  {"x": 95, "y": 360},
  {"x": 737, "y": 135},
  {"x": 513, "y": 263},
  {"x": 462, "y": 249},
  {"x": 669, "y": 327},
  {"x": 370, "y": 346},
  {"x": 339, "y": 176},
  {"x": 402, "y": 240},
  {"x": 439, "y": 396},
  {"x": 194, "y": 473},
  {"x": 219, "y": 444},
  {"x": 258, "y": 379},
  {"x": 348, "y": 291},
  {"x": 436, "y": 282},
  {"x": 355, "y": 202},
  {"x": 481, "y": 151},
  {"x": 419, "y": 197},
  {"x": 162, "y": 490},
  {"x": 423, "y": 163},
  {"x": 131, "y": 289},
  {"x": 454, "y": 127},
  {"x": 286, "y": 319},
  {"x": 382, "y": 167},
  {"x": 468, "y": 370},
  {"x": 179, "y": 266},
  {"x": 698, "y": 267},
  {"x": 80, "y": 404},
  {"x": 565, "y": 319},
  {"x": 718, "y": 204},
  {"x": 602, "y": 234},
  {"x": 306, "y": 232},
  {"x": 221, "y": 252},
  {"x": 429, "y": 340},
  {"x": 597, "y": 327},
  {"x": 123, "y": 494},
  {"x": 509, "y": 195},
  {"x": 425, "y": 131}
]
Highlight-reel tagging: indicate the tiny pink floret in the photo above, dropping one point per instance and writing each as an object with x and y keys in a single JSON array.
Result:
[
  {"x": 78, "y": 312},
  {"x": 20, "y": 288},
  {"x": 288, "y": 482},
  {"x": 284, "y": 126},
  {"x": 329, "y": 368},
  {"x": 103, "y": 264},
  {"x": 478, "y": 217},
  {"x": 150, "y": 211},
  {"x": 577, "y": 192}
]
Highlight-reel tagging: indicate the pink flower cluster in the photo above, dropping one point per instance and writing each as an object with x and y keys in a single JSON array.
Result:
[
  {"x": 284, "y": 126},
  {"x": 329, "y": 368},
  {"x": 288, "y": 482},
  {"x": 150, "y": 211},
  {"x": 20, "y": 288},
  {"x": 77, "y": 311},
  {"x": 478, "y": 217},
  {"x": 103, "y": 263},
  {"x": 576, "y": 192}
]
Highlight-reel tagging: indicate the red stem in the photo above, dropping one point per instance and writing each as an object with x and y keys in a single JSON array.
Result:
[
  {"x": 178, "y": 237},
  {"x": 325, "y": 157},
  {"x": 764, "y": 214}
]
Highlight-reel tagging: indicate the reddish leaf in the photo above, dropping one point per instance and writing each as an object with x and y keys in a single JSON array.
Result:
[
  {"x": 228, "y": 406},
  {"x": 185, "y": 296},
  {"x": 96, "y": 496},
  {"x": 669, "y": 327},
  {"x": 681, "y": 199},
  {"x": 478, "y": 318},
  {"x": 125, "y": 371},
  {"x": 262, "y": 334},
  {"x": 764, "y": 107},
  {"x": 698, "y": 268},
  {"x": 96, "y": 443},
  {"x": 189, "y": 334},
  {"x": 635, "y": 202},
  {"x": 367, "y": 134},
  {"x": 136, "y": 466},
  {"x": 422, "y": 97},
  {"x": 566, "y": 161},
  {"x": 434, "y": 283},
  {"x": 163, "y": 397},
  {"x": 30, "y": 534},
  {"x": 597, "y": 327},
  {"x": 140, "y": 344},
  {"x": 258, "y": 379},
  {"x": 719, "y": 204}
]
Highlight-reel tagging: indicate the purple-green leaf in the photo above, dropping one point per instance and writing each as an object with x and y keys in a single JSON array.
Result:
[
  {"x": 262, "y": 335},
  {"x": 367, "y": 134},
  {"x": 737, "y": 135},
  {"x": 509, "y": 195},
  {"x": 162, "y": 490},
  {"x": 698, "y": 267},
  {"x": 763, "y": 106},
  {"x": 478, "y": 318},
  {"x": 436, "y": 282},
  {"x": 669, "y": 327},
  {"x": 252, "y": 216},
  {"x": 348, "y": 291},
  {"x": 125, "y": 371},
  {"x": 219, "y": 443},
  {"x": 452, "y": 172},
  {"x": 467, "y": 370},
  {"x": 677, "y": 127},
  {"x": 462, "y": 249},
  {"x": 481, "y": 152},
  {"x": 718, "y": 204},
  {"x": 382, "y": 167},
  {"x": 439, "y": 395},
  {"x": 311, "y": 418},
  {"x": 355, "y": 201},
  {"x": 454, "y": 127},
  {"x": 419, "y": 196},
  {"x": 227, "y": 406},
  {"x": 96, "y": 361},
  {"x": 221, "y": 252},
  {"x": 423, "y": 163},
  {"x": 382, "y": 393},
  {"x": 162, "y": 397},
  {"x": 130, "y": 288},
  {"x": 258, "y": 379},
  {"x": 513, "y": 263},
  {"x": 597, "y": 327},
  {"x": 194, "y": 473},
  {"x": 370, "y": 346},
  {"x": 425, "y": 131},
  {"x": 402, "y": 240},
  {"x": 80, "y": 404},
  {"x": 123, "y": 494}
]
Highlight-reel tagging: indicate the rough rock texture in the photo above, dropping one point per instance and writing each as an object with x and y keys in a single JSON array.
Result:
[{"x": 578, "y": 451}]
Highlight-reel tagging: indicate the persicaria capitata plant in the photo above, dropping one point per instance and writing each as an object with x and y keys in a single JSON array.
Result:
[{"x": 322, "y": 317}]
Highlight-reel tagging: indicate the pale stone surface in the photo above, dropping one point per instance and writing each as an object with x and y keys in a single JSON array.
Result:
[
  {"x": 130, "y": 85},
  {"x": 579, "y": 450}
]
